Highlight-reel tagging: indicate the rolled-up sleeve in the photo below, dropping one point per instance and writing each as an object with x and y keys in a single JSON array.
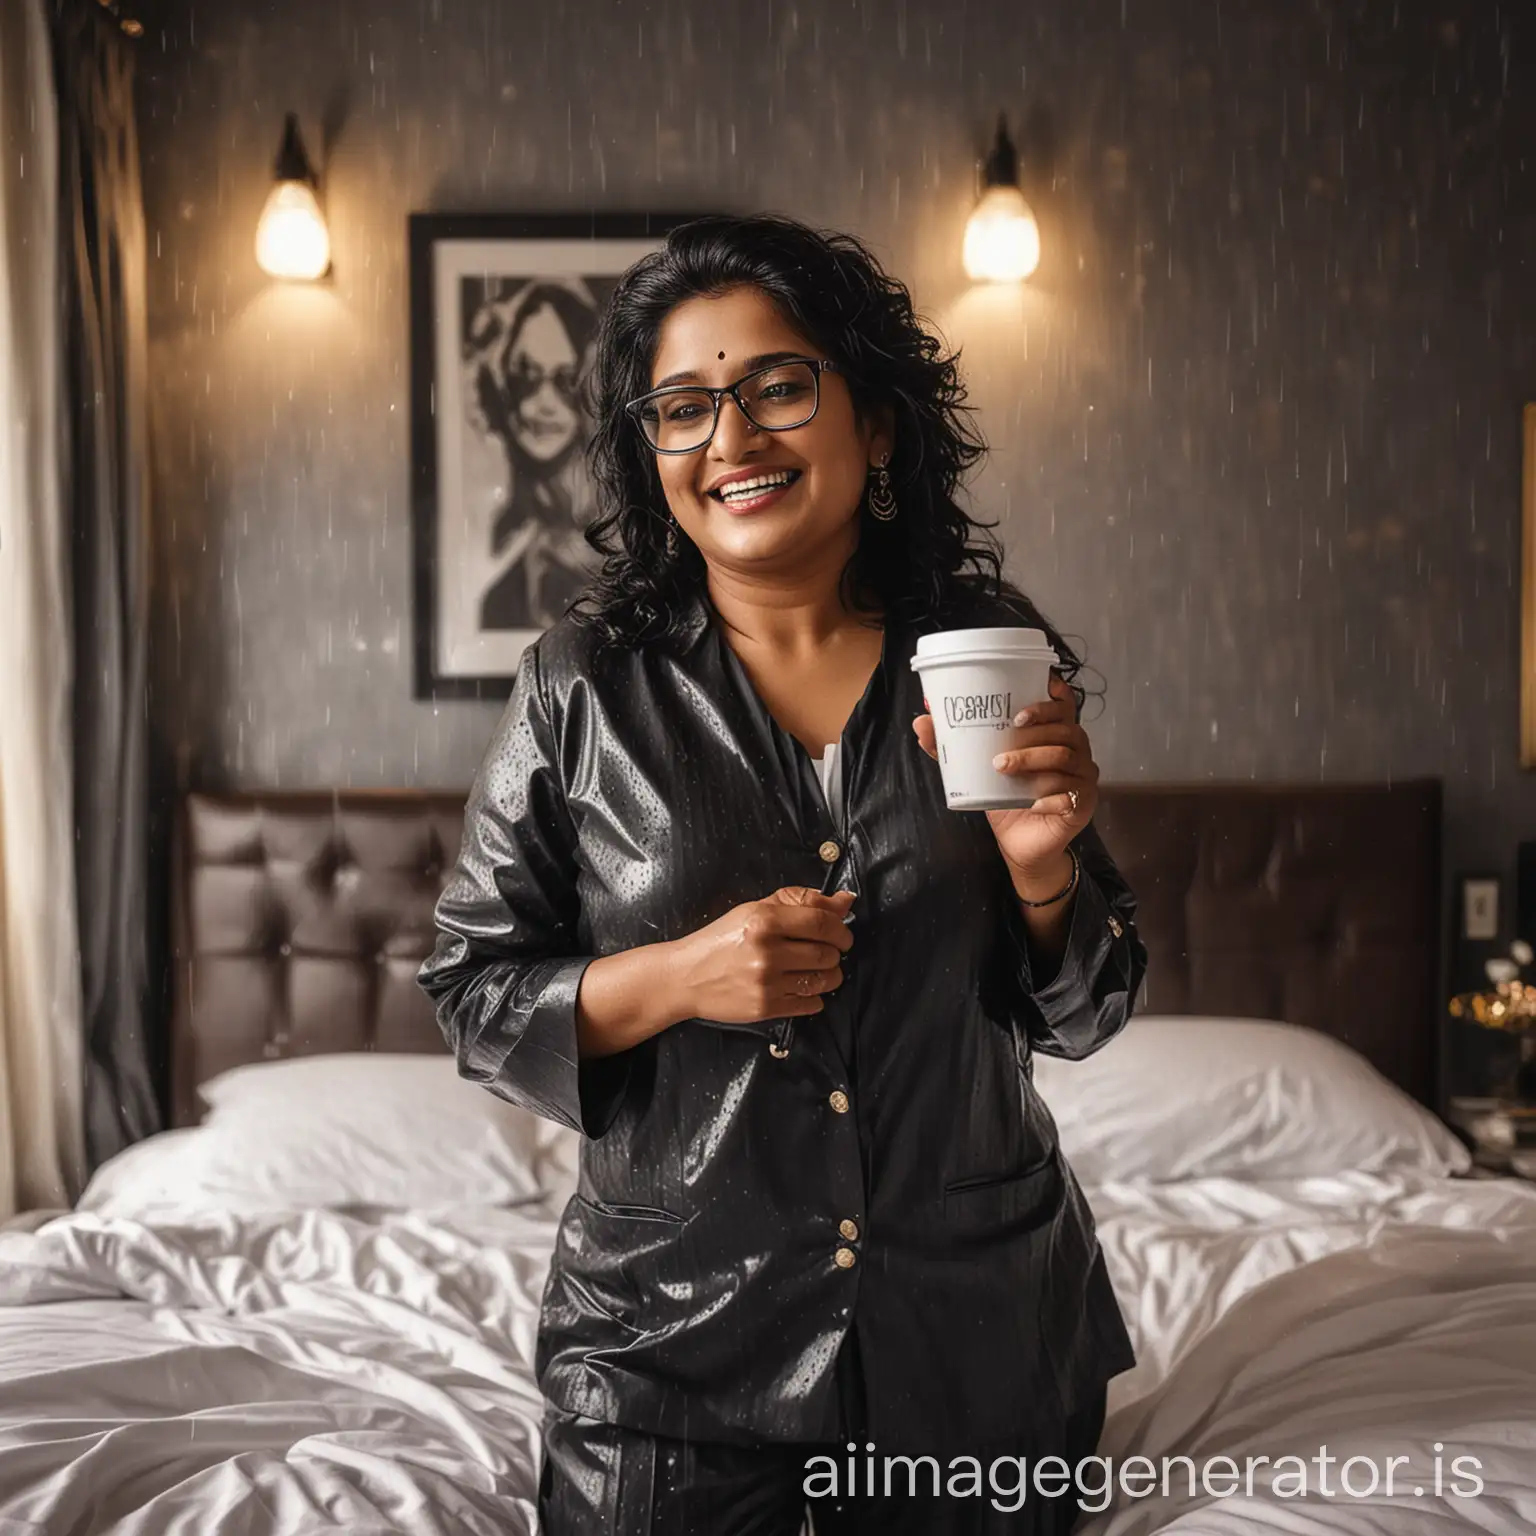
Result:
[
  {"x": 506, "y": 969},
  {"x": 1092, "y": 995}
]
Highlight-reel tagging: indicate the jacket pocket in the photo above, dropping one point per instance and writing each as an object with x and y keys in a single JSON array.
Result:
[
  {"x": 999, "y": 1205},
  {"x": 991, "y": 1180},
  {"x": 628, "y": 1212},
  {"x": 614, "y": 1260}
]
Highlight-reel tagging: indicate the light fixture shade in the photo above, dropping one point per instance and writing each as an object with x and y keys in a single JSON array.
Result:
[
  {"x": 291, "y": 237},
  {"x": 1002, "y": 240}
]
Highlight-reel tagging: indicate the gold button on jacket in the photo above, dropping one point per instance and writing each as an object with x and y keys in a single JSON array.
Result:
[
  {"x": 829, "y": 852},
  {"x": 845, "y": 1258},
  {"x": 633, "y": 794},
  {"x": 849, "y": 1229}
]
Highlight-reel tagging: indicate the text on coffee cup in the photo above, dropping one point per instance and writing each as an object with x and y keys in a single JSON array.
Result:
[{"x": 978, "y": 709}]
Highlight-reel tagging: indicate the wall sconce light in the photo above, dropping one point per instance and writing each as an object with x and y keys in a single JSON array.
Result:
[
  {"x": 1002, "y": 240},
  {"x": 291, "y": 237}
]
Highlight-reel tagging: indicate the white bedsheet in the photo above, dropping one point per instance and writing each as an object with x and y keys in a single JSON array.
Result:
[
  {"x": 1360, "y": 1315},
  {"x": 287, "y": 1373},
  {"x": 372, "y": 1371}
]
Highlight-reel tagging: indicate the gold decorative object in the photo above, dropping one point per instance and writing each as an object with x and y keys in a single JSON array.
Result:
[{"x": 1510, "y": 1005}]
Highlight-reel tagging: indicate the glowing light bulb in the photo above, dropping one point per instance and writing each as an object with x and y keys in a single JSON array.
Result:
[
  {"x": 1002, "y": 240},
  {"x": 291, "y": 238}
]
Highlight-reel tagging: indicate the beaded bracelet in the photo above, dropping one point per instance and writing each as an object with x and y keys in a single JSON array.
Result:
[{"x": 1071, "y": 885}]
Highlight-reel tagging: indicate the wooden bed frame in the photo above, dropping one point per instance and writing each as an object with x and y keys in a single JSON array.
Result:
[{"x": 299, "y": 919}]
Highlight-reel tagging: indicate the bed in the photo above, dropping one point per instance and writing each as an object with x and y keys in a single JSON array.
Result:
[{"x": 311, "y": 1304}]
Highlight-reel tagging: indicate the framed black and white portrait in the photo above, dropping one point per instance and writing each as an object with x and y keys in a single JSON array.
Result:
[{"x": 504, "y": 314}]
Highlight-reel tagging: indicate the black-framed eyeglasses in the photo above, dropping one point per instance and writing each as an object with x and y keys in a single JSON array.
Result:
[{"x": 682, "y": 417}]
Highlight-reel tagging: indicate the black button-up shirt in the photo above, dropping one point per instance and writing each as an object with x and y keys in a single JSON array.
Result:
[{"x": 750, "y": 1193}]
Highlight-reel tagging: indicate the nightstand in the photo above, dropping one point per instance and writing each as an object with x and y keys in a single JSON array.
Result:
[{"x": 1502, "y": 1136}]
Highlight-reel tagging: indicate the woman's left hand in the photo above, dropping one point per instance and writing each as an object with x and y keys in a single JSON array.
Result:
[{"x": 1057, "y": 757}]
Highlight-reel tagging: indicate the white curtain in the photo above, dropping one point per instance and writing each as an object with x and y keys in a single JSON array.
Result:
[{"x": 41, "y": 1141}]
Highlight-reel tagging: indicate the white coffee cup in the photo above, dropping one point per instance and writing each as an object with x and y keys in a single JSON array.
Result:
[{"x": 975, "y": 682}]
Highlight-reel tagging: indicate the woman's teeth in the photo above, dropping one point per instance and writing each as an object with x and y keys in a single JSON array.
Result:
[{"x": 746, "y": 490}]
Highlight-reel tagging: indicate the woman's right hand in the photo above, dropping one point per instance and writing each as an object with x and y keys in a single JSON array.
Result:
[{"x": 748, "y": 965}]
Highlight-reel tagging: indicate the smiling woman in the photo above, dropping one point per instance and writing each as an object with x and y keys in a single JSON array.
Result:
[
  {"x": 789, "y": 1131},
  {"x": 791, "y": 440},
  {"x": 724, "y": 299}
]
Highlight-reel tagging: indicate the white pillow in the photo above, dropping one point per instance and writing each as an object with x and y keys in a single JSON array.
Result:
[
  {"x": 1174, "y": 1097},
  {"x": 344, "y": 1130}
]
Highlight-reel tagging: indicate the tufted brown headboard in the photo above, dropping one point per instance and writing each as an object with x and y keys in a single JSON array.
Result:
[
  {"x": 1316, "y": 904},
  {"x": 300, "y": 919}
]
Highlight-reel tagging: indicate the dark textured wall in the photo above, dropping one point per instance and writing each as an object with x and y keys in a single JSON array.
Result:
[{"x": 1255, "y": 424}]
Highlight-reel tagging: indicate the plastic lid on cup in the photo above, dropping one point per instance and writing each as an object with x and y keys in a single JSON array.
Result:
[{"x": 996, "y": 643}]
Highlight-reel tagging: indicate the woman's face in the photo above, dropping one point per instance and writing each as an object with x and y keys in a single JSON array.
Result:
[
  {"x": 541, "y": 377},
  {"x": 714, "y": 341}
]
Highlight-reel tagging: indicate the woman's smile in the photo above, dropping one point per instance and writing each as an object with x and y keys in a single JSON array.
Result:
[
  {"x": 753, "y": 490},
  {"x": 750, "y": 496}
]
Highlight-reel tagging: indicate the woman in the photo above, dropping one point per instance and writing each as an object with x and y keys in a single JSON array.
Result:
[
  {"x": 820, "y": 1204},
  {"x": 527, "y": 354}
]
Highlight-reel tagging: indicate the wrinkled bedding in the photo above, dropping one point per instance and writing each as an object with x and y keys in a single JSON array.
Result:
[
  {"x": 372, "y": 1370},
  {"x": 1361, "y": 1315}
]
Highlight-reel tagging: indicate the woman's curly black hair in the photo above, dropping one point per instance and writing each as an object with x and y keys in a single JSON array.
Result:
[{"x": 927, "y": 567}]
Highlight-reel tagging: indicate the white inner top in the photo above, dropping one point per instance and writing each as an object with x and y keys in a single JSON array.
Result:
[{"x": 831, "y": 779}]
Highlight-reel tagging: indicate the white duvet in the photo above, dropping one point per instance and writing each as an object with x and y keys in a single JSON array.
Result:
[
  {"x": 1373, "y": 1316},
  {"x": 372, "y": 1371},
  {"x": 290, "y": 1372}
]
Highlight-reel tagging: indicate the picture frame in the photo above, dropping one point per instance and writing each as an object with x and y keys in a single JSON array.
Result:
[
  {"x": 504, "y": 310},
  {"x": 1480, "y": 908},
  {"x": 1528, "y": 592}
]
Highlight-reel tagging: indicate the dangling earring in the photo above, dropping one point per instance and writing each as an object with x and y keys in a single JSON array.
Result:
[
  {"x": 671, "y": 537},
  {"x": 882, "y": 503}
]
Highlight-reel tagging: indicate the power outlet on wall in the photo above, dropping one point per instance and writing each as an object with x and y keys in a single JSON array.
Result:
[{"x": 1480, "y": 909}]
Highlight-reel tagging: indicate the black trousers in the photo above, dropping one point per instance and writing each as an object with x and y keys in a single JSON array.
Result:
[{"x": 603, "y": 1480}]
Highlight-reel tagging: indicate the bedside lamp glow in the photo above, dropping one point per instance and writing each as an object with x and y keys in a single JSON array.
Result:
[
  {"x": 1002, "y": 240},
  {"x": 291, "y": 238}
]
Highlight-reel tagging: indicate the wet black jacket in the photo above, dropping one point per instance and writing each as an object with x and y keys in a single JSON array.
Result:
[{"x": 739, "y": 1210}]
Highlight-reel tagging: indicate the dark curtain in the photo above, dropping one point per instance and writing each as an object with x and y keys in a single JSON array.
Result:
[{"x": 102, "y": 290}]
